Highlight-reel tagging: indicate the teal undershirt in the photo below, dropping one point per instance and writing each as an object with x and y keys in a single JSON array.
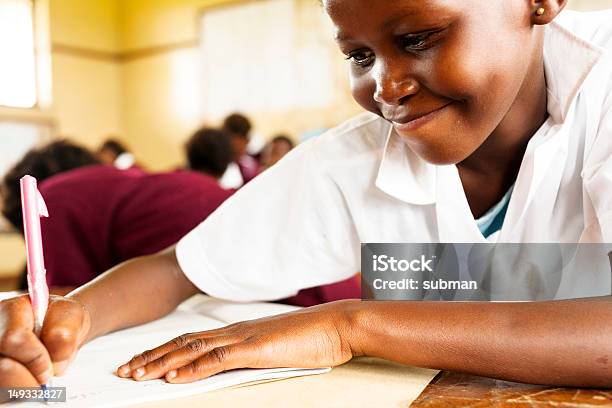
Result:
[{"x": 493, "y": 219}]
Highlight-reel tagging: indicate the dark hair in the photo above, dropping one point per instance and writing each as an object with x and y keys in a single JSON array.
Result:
[
  {"x": 284, "y": 138},
  {"x": 237, "y": 124},
  {"x": 41, "y": 163},
  {"x": 209, "y": 150},
  {"x": 114, "y": 146}
]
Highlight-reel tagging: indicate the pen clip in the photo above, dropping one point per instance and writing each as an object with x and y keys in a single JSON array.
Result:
[{"x": 41, "y": 205}]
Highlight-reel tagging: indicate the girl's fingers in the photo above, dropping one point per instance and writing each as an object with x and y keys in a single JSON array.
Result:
[
  {"x": 178, "y": 358},
  {"x": 144, "y": 358},
  {"x": 18, "y": 342},
  {"x": 65, "y": 327},
  {"x": 27, "y": 350},
  {"x": 147, "y": 356},
  {"x": 217, "y": 360},
  {"x": 14, "y": 374}
]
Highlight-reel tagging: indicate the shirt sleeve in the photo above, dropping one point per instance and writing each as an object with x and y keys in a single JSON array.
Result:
[
  {"x": 597, "y": 174},
  {"x": 287, "y": 230}
]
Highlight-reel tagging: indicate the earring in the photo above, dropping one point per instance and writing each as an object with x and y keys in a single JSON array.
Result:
[{"x": 540, "y": 11}]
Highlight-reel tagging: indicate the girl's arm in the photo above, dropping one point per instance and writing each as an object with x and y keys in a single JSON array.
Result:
[
  {"x": 132, "y": 293},
  {"x": 555, "y": 343}
]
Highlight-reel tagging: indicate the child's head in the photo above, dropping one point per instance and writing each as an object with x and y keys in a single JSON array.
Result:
[
  {"x": 110, "y": 150},
  {"x": 209, "y": 151},
  {"x": 41, "y": 163},
  {"x": 466, "y": 63},
  {"x": 278, "y": 147},
  {"x": 238, "y": 127}
]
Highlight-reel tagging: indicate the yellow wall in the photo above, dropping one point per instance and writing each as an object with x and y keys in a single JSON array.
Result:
[
  {"x": 159, "y": 40},
  {"x": 87, "y": 98},
  {"x": 151, "y": 23},
  {"x": 87, "y": 75},
  {"x": 90, "y": 24}
]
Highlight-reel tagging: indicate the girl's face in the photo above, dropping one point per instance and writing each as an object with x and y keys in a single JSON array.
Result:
[{"x": 444, "y": 72}]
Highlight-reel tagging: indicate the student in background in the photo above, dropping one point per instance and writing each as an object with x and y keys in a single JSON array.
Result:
[
  {"x": 239, "y": 127},
  {"x": 278, "y": 147},
  {"x": 101, "y": 216},
  {"x": 209, "y": 151},
  {"x": 114, "y": 153}
]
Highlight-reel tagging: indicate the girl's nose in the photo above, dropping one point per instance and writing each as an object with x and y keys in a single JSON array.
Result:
[{"x": 393, "y": 86}]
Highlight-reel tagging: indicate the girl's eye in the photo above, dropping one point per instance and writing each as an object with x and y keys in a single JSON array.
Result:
[
  {"x": 416, "y": 42},
  {"x": 361, "y": 58}
]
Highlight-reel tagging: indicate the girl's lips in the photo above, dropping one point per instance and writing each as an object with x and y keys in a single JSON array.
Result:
[{"x": 414, "y": 124}]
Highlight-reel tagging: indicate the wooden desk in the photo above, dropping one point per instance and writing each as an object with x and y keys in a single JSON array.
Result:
[
  {"x": 363, "y": 382},
  {"x": 462, "y": 390}
]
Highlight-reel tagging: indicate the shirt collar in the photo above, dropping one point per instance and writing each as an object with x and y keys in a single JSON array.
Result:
[
  {"x": 404, "y": 175},
  {"x": 568, "y": 60}
]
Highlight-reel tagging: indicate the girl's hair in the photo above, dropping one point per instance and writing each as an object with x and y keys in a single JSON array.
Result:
[
  {"x": 114, "y": 146},
  {"x": 237, "y": 125},
  {"x": 209, "y": 150},
  {"x": 41, "y": 163}
]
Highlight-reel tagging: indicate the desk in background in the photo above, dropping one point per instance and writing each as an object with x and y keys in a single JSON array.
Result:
[{"x": 12, "y": 259}]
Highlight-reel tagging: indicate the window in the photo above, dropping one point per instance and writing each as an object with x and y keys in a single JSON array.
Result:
[
  {"x": 17, "y": 53},
  {"x": 16, "y": 138}
]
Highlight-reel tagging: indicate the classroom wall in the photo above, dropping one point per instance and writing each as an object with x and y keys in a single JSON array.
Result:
[
  {"x": 86, "y": 72},
  {"x": 161, "y": 108}
]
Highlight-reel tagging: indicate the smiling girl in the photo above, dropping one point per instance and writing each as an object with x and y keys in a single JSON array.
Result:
[{"x": 476, "y": 106}]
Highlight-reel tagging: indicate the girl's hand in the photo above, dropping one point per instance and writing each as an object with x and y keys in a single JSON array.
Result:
[
  {"x": 27, "y": 360},
  {"x": 313, "y": 337}
]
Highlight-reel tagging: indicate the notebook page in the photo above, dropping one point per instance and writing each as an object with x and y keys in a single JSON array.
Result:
[{"x": 90, "y": 381}]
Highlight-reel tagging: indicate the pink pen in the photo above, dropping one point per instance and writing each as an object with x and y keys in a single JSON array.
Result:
[{"x": 34, "y": 207}]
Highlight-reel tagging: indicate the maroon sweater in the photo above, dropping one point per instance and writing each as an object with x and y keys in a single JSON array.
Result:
[{"x": 100, "y": 216}]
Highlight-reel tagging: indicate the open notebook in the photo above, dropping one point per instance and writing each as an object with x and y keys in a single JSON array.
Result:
[{"x": 91, "y": 381}]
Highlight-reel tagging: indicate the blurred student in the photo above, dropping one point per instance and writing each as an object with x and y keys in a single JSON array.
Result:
[
  {"x": 116, "y": 154},
  {"x": 239, "y": 128},
  {"x": 278, "y": 147},
  {"x": 209, "y": 151},
  {"x": 101, "y": 216}
]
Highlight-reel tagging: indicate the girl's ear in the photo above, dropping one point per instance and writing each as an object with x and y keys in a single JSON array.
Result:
[{"x": 545, "y": 11}]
